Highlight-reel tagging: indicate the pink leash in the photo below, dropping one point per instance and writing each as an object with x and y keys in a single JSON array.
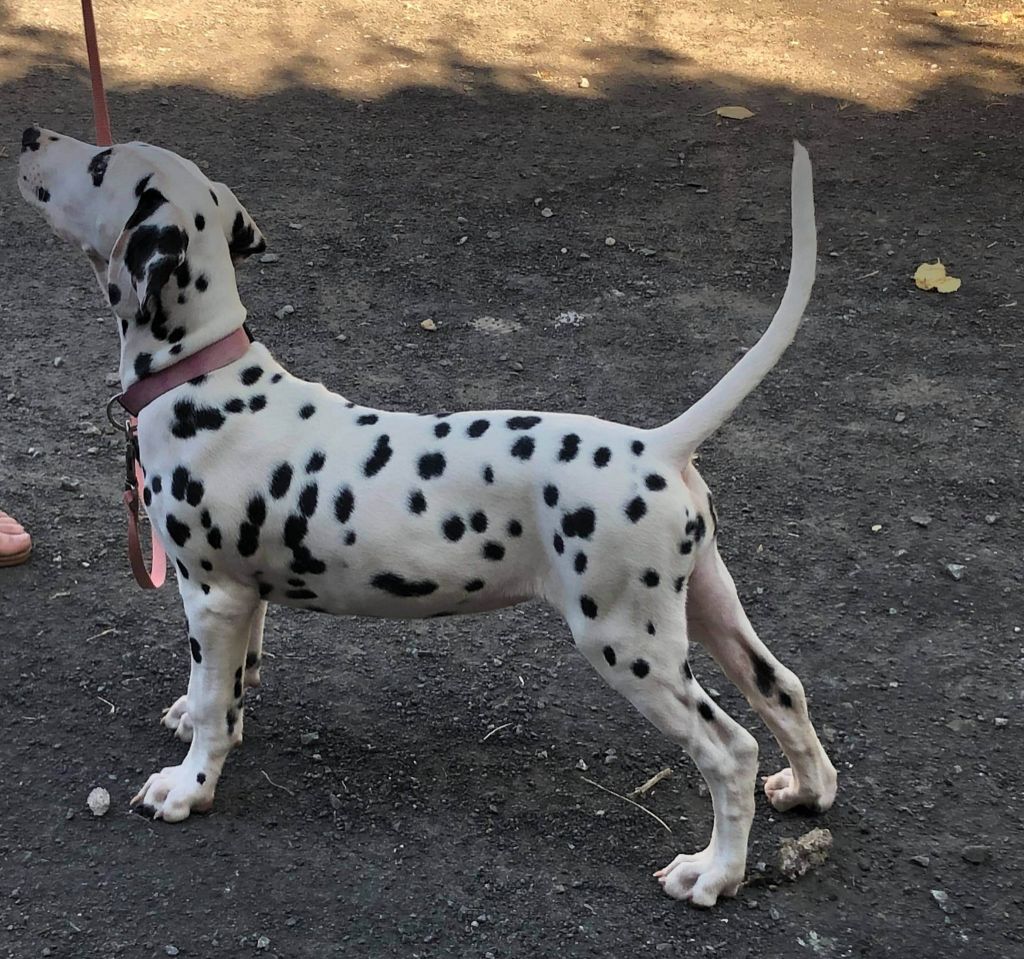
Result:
[{"x": 154, "y": 577}]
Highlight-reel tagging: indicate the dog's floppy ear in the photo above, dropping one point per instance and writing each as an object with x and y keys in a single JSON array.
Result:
[
  {"x": 150, "y": 249},
  {"x": 243, "y": 236}
]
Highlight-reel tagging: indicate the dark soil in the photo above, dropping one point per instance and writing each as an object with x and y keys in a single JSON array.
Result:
[{"x": 401, "y": 830}]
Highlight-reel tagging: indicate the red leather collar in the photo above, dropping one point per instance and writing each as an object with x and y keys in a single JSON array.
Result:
[{"x": 220, "y": 353}]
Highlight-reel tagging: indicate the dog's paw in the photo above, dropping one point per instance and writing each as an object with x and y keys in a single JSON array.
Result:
[
  {"x": 785, "y": 792},
  {"x": 176, "y": 718},
  {"x": 173, "y": 793},
  {"x": 700, "y": 878}
]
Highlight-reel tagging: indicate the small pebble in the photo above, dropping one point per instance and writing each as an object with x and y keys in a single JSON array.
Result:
[
  {"x": 270, "y": 258},
  {"x": 955, "y": 570},
  {"x": 171, "y": 950},
  {"x": 923, "y": 520},
  {"x": 294, "y": 226},
  {"x": 98, "y": 801},
  {"x": 584, "y": 82},
  {"x": 976, "y": 854},
  {"x": 900, "y": 416},
  {"x": 921, "y": 861},
  {"x": 991, "y": 518},
  {"x": 58, "y": 361},
  {"x": 112, "y": 379},
  {"x": 609, "y": 241},
  {"x": 69, "y": 485},
  {"x": 546, "y": 212},
  {"x": 286, "y": 310},
  {"x": 307, "y": 738},
  {"x": 262, "y": 943},
  {"x": 342, "y": 337},
  {"x": 429, "y": 325},
  {"x": 1001, "y": 721}
]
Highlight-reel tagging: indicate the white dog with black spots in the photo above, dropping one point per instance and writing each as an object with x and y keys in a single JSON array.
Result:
[{"x": 267, "y": 488}]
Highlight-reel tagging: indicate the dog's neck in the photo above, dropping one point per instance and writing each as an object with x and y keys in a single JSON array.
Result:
[{"x": 177, "y": 325}]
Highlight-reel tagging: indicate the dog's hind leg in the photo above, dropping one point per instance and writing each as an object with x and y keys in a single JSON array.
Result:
[
  {"x": 254, "y": 653},
  {"x": 653, "y": 674},
  {"x": 219, "y": 623},
  {"x": 715, "y": 619}
]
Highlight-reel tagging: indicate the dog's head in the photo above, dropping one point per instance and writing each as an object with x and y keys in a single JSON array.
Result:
[{"x": 161, "y": 237}]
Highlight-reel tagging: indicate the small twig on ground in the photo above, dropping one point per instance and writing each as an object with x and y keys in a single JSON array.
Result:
[
  {"x": 651, "y": 783},
  {"x": 276, "y": 785},
  {"x": 113, "y": 708},
  {"x": 106, "y": 632},
  {"x": 497, "y": 729},
  {"x": 611, "y": 792}
]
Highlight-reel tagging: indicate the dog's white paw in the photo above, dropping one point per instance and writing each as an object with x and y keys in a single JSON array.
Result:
[
  {"x": 784, "y": 791},
  {"x": 700, "y": 878},
  {"x": 173, "y": 793},
  {"x": 176, "y": 718}
]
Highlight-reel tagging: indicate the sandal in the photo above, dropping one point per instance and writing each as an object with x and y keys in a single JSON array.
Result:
[{"x": 15, "y": 543}]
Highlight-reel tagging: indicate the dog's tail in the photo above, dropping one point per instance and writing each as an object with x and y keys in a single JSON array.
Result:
[{"x": 681, "y": 437}]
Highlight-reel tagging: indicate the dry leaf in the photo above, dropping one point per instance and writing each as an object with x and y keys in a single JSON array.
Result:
[
  {"x": 933, "y": 276},
  {"x": 734, "y": 113}
]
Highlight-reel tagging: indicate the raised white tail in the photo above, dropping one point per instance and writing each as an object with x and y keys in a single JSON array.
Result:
[{"x": 681, "y": 437}]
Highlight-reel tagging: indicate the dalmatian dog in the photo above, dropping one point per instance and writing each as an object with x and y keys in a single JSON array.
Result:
[{"x": 267, "y": 488}]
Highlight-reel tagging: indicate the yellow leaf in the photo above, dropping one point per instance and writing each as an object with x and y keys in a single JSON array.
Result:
[
  {"x": 932, "y": 276},
  {"x": 734, "y": 113}
]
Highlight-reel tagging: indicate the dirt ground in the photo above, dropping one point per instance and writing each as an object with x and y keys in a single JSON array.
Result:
[{"x": 399, "y": 158}]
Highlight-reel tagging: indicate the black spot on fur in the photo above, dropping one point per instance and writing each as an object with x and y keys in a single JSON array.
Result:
[
  {"x": 637, "y": 447},
  {"x": 344, "y": 503},
  {"x": 232, "y": 718},
  {"x": 488, "y": 475},
  {"x": 453, "y": 528},
  {"x": 417, "y": 502},
  {"x": 640, "y": 668},
  {"x": 551, "y": 495},
  {"x": 400, "y": 586},
  {"x": 651, "y": 578},
  {"x": 308, "y": 499},
  {"x": 559, "y": 544},
  {"x": 636, "y": 509},
  {"x": 785, "y": 699},
  {"x": 350, "y": 538},
  {"x": 143, "y": 364},
  {"x": 570, "y": 448},
  {"x": 316, "y": 461},
  {"x": 202, "y": 283},
  {"x": 140, "y": 187},
  {"x": 206, "y": 564},
  {"x": 679, "y": 584},
  {"x": 696, "y": 528},
  {"x": 686, "y": 547},
  {"x": 477, "y": 428},
  {"x": 379, "y": 457},
  {"x": 200, "y": 778},
  {"x": 178, "y": 531},
  {"x": 367, "y": 419},
  {"x": 42, "y": 194},
  {"x": 478, "y": 521},
  {"x": 687, "y": 672},
  {"x": 182, "y": 568},
  {"x": 300, "y": 594},
  {"x": 257, "y": 402},
  {"x": 706, "y": 712},
  {"x": 580, "y": 563},
  {"x": 650, "y": 628},
  {"x": 277, "y": 377},
  {"x": 214, "y": 538},
  {"x": 113, "y": 293},
  {"x": 281, "y": 481},
  {"x": 474, "y": 586},
  {"x": 248, "y": 539},
  {"x": 235, "y": 405},
  {"x": 183, "y": 275},
  {"x": 522, "y": 422},
  {"x": 179, "y": 480},
  {"x": 250, "y": 375},
  {"x": 30, "y": 139},
  {"x": 442, "y": 430},
  {"x": 256, "y": 511},
  {"x": 431, "y": 465},
  {"x": 189, "y": 419},
  {"x": 307, "y": 411},
  {"x": 97, "y": 165},
  {"x": 764, "y": 673},
  {"x": 589, "y": 607},
  {"x": 493, "y": 551},
  {"x": 609, "y": 655},
  {"x": 150, "y": 201},
  {"x": 515, "y": 528},
  {"x": 265, "y": 590},
  {"x": 602, "y": 456},
  {"x": 243, "y": 237},
  {"x": 238, "y": 683},
  {"x": 216, "y": 202},
  {"x": 579, "y": 523},
  {"x": 200, "y": 222},
  {"x": 655, "y": 482},
  {"x": 251, "y": 660},
  {"x": 147, "y": 496}
]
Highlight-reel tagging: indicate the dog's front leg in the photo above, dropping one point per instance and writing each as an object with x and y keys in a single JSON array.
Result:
[
  {"x": 219, "y": 625},
  {"x": 176, "y": 717}
]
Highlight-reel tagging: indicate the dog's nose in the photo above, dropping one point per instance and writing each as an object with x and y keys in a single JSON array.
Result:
[{"x": 30, "y": 139}]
